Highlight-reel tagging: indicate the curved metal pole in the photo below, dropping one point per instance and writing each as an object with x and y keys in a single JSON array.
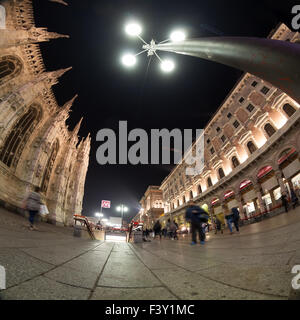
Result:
[{"x": 275, "y": 61}]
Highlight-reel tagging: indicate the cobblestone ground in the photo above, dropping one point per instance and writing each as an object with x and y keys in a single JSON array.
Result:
[{"x": 52, "y": 264}]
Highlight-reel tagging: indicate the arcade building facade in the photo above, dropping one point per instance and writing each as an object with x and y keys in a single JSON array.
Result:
[{"x": 251, "y": 154}]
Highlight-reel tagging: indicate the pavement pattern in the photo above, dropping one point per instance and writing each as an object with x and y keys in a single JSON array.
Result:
[{"x": 51, "y": 264}]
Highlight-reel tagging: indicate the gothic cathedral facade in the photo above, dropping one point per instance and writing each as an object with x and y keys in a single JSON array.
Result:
[{"x": 36, "y": 146}]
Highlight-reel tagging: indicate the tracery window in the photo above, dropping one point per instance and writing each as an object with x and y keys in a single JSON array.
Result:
[
  {"x": 16, "y": 140},
  {"x": 10, "y": 67},
  {"x": 49, "y": 166}
]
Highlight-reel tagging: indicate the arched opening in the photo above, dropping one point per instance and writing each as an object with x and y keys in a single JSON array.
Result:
[
  {"x": 209, "y": 182},
  {"x": 270, "y": 130},
  {"x": 191, "y": 195},
  {"x": 178, "y": 203},
  {"x": 235, "y": 161},
  {"x": 16, "y": 140},
  {"x": 251, "y": 147},
  {"x": 49, "y": 166},
  {"x": 199, "y": 189},
  {"x": 183, "y": 199},
  {"x": 221, "y": 173},
  {"x": 10, "y": 67},
  {"x": 288, "y": 109}
]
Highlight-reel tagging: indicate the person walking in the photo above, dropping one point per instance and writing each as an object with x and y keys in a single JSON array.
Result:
[
  {"x": 175, "y": 232},
  {"x": 294, "y": 198},
  {"x": 168, "y": 225},
  {"x": 285, "y": 203},
  {"x": 218, "y": 226},
  {"x": 33, "y": 204},
  {"x": 196, "y": 216},
  {"x": 157, "y": 229},
  {"x": 229, "y": 218},
  {"x": 173, "y": 229},
  {"x": 236, "y": 218}
]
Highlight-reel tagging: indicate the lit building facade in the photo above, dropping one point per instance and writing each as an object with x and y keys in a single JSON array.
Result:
[
  {"x": 251, "y": 153},
  {"x": 152, "y": 207},
  {"x": 36, "y": 146}
]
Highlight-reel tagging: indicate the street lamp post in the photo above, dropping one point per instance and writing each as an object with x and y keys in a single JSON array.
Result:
[
  {"x": 123, "y": 209},
  {"x": 272, "y": 60}
]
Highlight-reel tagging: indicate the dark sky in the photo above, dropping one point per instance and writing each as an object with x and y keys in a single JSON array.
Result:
[{"x": 108, "y": 93}]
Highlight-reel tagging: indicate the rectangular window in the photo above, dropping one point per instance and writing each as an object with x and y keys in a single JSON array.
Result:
[
  {"x": 250, "y": 107},
  {"x": 218, "y": 129},
  {"x": 241, "y": 100},
  {"x": 223, "y": 138},
  {"x": 229, "y": 115},
  {"x": 212, "y": 150},
  {"x": 265, "y": 90},
  {"x": 254, "y": 84},
  {"x": 236, "y": 124}
]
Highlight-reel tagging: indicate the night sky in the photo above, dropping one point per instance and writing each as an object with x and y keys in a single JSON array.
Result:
[{"x": 108, "y": 93}]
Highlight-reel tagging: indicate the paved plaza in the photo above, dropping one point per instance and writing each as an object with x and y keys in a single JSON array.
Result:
[{"x": 52, "y": 264}]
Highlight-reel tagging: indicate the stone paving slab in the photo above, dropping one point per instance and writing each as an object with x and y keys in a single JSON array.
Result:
[
  {"x": 41, "y": 288},
  {"x": 21, "y": 267},
  {"x": 102, "y": 293},
  {"x": 271, "y": 280},
  {"x": 126, "y": 271},
  {"x": 191, "y": 286}
]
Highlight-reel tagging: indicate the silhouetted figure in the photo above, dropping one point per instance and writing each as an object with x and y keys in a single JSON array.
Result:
[{"x": 285, "y": 203}]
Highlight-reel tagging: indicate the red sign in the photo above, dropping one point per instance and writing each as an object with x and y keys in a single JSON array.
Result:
[
  {"x": 282, "y": 159},
  {"x": 262, "y": 172},
  {"x": 228, "y": 194},
  {"x": 105, "y": 204},
  {"x": 245, "y": 184},
  {"x": 214, "y": 201}
]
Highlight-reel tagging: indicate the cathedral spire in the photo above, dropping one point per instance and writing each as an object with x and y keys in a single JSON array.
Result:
[
  {"x": 52, "y": 76},
  {"x": 68, "y": 105},
  {"x": 60, "y": 1},
  {"x": 63, "y": 112},
  {"x": 77, "y": 127},
  {"x": 42, "y": 34}
]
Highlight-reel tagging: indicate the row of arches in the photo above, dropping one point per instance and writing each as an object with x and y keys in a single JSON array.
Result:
[{"x": 288, "y": 154}]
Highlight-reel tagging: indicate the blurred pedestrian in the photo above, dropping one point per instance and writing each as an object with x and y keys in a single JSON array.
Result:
[
  {"x": 229, "y": 218},
  {"x": 284, "y": 201},
  {"x": 294, "y": 198},
  {"x": 157, "y": 229},
  {"x": 218, "y": 226},
  {"x": 236, "y": 218},
  {"x": 33, "y": 205},
  {"x": 196, "y": 216}
]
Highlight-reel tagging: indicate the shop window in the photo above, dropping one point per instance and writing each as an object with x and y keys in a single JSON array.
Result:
[
  {"x": 251, "y": 147},
  {"x": 269, "y": 129},
  {"x": 289, "y": 110}
]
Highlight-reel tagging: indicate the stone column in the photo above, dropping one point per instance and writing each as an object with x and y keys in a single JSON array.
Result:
[
  {"x": 272, "y": 198},
  {"x": 279, "y": 176},
  {"x": 239, "y": 198},
  {"x": 257, "y": 188}
]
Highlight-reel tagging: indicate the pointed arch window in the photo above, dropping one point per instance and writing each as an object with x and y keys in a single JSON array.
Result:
[
  {"x": 289, "y": 110},
  {"x": 10, "y": 67},
  {"x": 251, "y": 147},
  {"x": 235, "y": 161},
  {"x": 16, "y": 140},
  {"x": 270, "y": 130},
  {"x": 49, "y": 166},
  {"x": 221, "y": 173}
]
